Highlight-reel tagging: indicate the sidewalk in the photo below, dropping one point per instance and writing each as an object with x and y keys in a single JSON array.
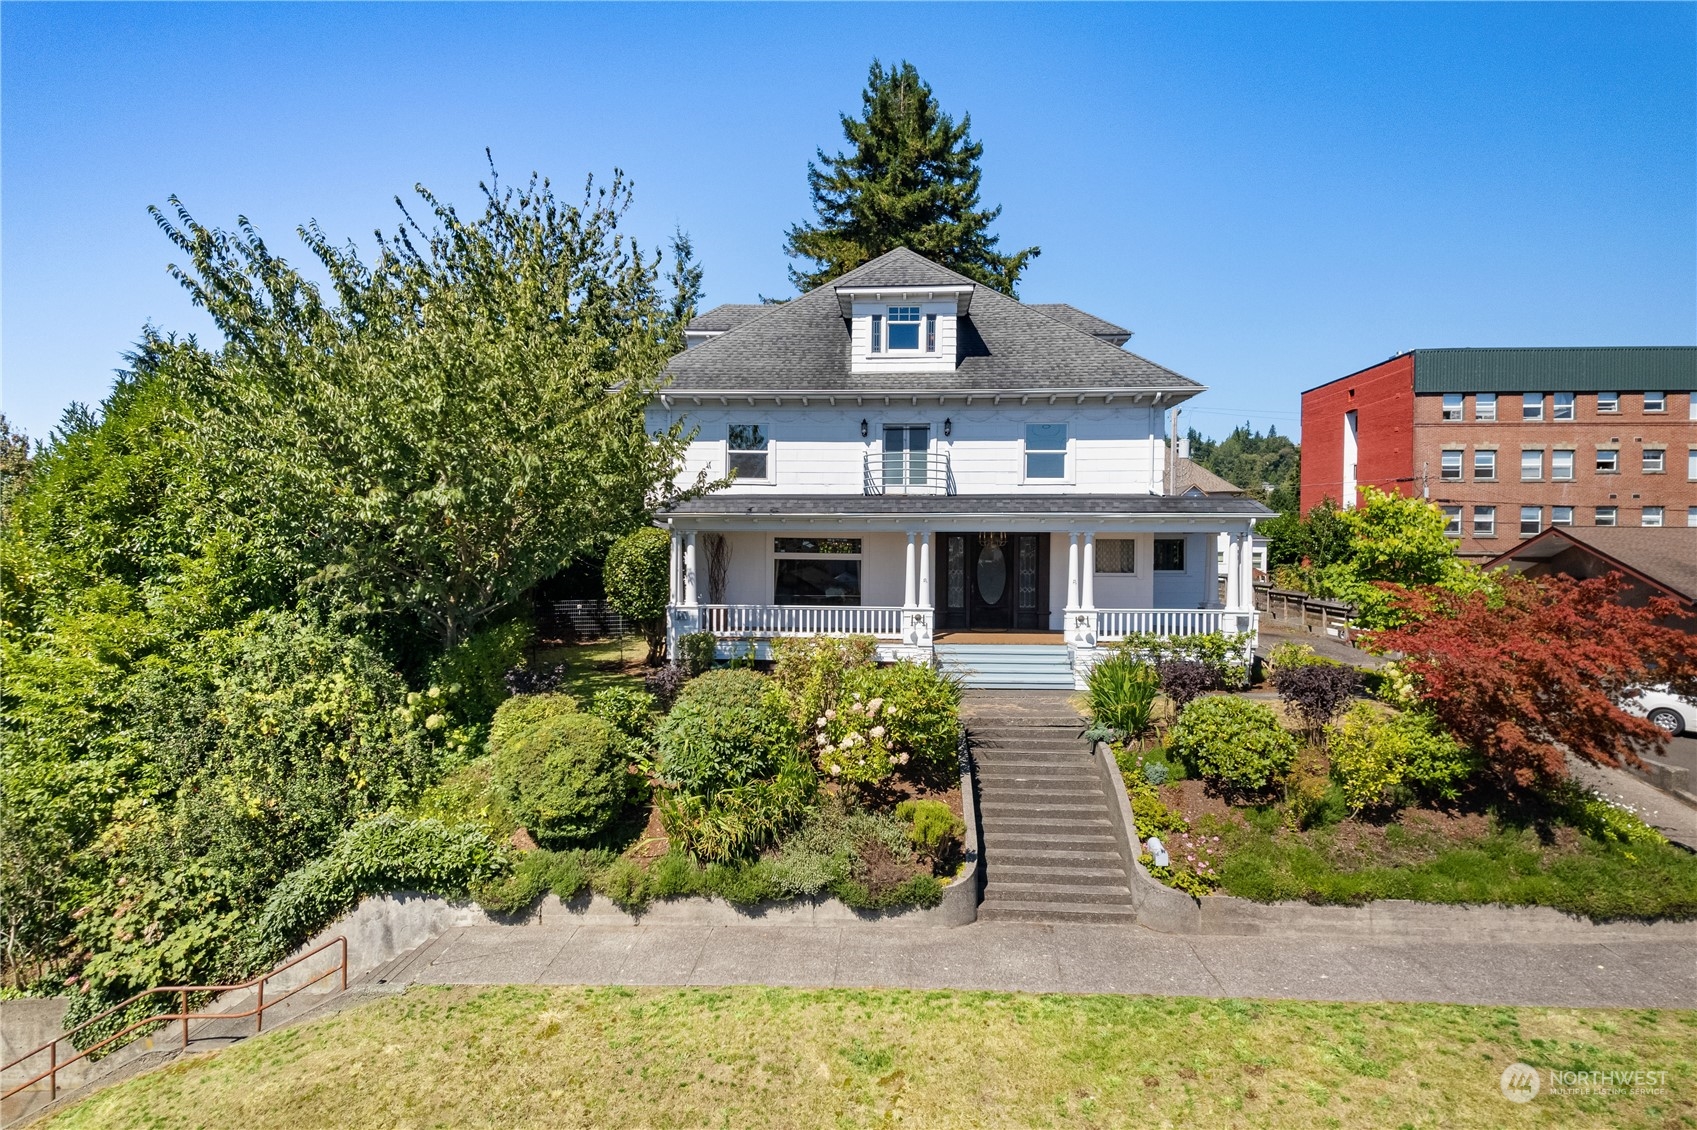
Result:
[{"x": 1652, "y": 968}]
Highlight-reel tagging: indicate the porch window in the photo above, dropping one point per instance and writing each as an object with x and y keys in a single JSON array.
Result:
[
  {"x": 1045, "y": 451},
  {"x": 816, "y": 571},
  {"x": 1118, "y": 555},
  {"x": 1169, "y": 555},
  {"x": 747, "y": 447}
]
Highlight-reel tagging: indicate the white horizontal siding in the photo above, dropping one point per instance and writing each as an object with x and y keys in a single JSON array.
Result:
[{"x": 1113, "y": 449}]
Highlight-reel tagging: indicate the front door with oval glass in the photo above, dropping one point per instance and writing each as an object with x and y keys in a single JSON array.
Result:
[{"x": 993, "y": 581}]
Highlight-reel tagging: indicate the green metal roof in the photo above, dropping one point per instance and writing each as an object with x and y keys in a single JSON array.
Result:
[{"x": 1656, "y": 368}]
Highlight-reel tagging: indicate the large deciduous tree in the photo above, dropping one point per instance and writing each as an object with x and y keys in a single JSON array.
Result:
[
  {"x": 909, "y": 179},
  {"x": 443, "y": 427},
  {"x": 1538, "y": 669}
]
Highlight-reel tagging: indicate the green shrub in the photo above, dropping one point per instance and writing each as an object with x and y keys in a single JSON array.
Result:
[
  {"x": 886, "y": 718},
  {"x": 1380, "y": 760},
  {"x": 1599, "y": 819},
  {"x": 1225, "y": 654},
  {"x": 626, "y": 709},
  {"x": 1121, "y": 693},
  {"x": 727, "y": 729},
  {"x": 385, "y": 853},
  {"x": 468, "y": 796},
  {"x": 696, "y": 651},
  {"x": 637, "y": 577},
  {"x": 1233, "y": 742},
  {"x": 1311, "y": 798},
  {"x": 472, "y": 675},
  {"x": 674, "y": 875},
  {"x": 743, "y": 883},
  {"x": 810, "y": 670},
  {"x": 1290, "y": 655},
  {"x": 565, "y": 775},
  {"x": 625, "y": 882},
  {"x": 534, "y": 873},
  {"x": 931, "y": 825},
  {"x": 740, "y": 819}
]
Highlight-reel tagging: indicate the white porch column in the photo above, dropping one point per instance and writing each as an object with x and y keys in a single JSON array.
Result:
[
  {"x": 1219, "y": 559},
  {"x": 1072, "y": 571},
  {"x": 1246, "y": 570},
  {"x": 691, "y": 598},
  {"x": 1234, "y": 562},
  {"x": 925, "y": 569},
  {"x": 1087, "y": 577},
  {"x": 909, "y": 592},
  {"x": 675, "y": 586}
]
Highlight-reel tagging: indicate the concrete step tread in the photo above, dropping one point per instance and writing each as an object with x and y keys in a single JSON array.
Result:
[
  {"x": 1045, "y": 912},
  {"x": 1017, "y": 857},
  {"x": 1038, "y": 825},
  {"x": 1099, "y": 843},
  {"x": 1054, "y": 892},
  {"x": 1003, "y": 873}
]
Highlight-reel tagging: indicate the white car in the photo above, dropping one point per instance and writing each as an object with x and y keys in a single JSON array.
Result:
[{"x": 1672, "y": 713}]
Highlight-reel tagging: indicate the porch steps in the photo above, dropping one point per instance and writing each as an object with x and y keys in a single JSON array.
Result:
[
  {"x": 1012, "y": 666},
  {"x": 1049, "y": 849}
]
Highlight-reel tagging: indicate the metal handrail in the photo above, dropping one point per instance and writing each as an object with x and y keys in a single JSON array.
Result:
[
  {"x": 907, "y": 472},
  {"x": 183, "y": 1014}
]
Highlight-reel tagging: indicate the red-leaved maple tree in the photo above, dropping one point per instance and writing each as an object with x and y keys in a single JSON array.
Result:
[{"x": 1538, "y": 669}]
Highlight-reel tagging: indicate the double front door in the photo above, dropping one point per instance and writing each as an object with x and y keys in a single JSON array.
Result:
[{"x": 993, "y": 581}]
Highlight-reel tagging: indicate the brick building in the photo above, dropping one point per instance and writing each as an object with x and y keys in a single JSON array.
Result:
[{"x": 1513, "y": 441}]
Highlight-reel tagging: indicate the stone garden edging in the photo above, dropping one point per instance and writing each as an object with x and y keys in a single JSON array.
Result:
[{"x": 1168, "y": 911}]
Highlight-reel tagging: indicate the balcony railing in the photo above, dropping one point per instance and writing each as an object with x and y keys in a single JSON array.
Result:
[
  {"x": 733, "y": 621},
  {"x": 1118, "y": 623},
  {"x": 908, "y": 472}
]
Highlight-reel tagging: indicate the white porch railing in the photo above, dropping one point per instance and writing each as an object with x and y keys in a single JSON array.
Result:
[
  {"x": 1118, "y": 623},
  {"x": 742, "y": 620}
]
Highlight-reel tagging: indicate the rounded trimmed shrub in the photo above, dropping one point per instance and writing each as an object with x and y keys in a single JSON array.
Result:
[
  {"x": 1233, "y": 742},
  {"x": 565, "y": 775},
  {"x": 726, "y": 729}
]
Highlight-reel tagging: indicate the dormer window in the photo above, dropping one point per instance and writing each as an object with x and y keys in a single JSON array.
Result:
[{"x": 904, "y": 327}]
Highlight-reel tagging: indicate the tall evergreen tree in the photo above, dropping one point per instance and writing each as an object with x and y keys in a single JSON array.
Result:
[{"x": 910, "y": 179}]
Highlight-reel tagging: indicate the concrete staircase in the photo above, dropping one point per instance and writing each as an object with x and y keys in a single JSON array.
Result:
[
  {"x": 1008, "y": 666},
  {"x": 1049, "y": 849}
]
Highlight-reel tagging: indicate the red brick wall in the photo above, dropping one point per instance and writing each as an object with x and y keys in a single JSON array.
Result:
[
  {"x": 1382, "y": 398},
  {"x": 1629, "y": 489}
]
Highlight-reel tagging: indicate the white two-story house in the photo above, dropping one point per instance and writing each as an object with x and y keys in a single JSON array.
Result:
[{"x": 928, "y": 461}]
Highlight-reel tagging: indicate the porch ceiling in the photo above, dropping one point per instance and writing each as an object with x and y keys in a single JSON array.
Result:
[{"x": 1130, "y": 511}]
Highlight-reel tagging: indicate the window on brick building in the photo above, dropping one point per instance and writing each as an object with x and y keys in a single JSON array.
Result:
[
  {"x": 1449, "y": 466},
  {"x": 1608, "y": 461},
  {"x": 1561, "y": 466},
  {"x": 1484, "y": 464},
  {"x": 1484, "y": 521},
  {"x": 1655, "y": 402},
  {"x": 1485, "y": 406},
  {"x": 1531, "y": 520},
  {"x": 1452, "y": 521},
  {"x": 1455, "y": 405},
  {"x": 1655, "y": 461},
  {"x": 1607, "y": 515},
  {"x": 1608, "y": 403},
  {"x": 1531, "y": 464},
  {"x": 1561, "y": 515},
  {"x": 1561, "y": 406},
  {"x": 1532, "y": 406},
  {"x": 1652, "y": 516}
]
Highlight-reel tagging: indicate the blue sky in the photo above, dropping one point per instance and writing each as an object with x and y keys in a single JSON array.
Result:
[{"x": 1270, "y": 196}]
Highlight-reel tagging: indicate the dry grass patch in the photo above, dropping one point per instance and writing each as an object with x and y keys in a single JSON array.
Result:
[{"x": 761, "y": 1057}]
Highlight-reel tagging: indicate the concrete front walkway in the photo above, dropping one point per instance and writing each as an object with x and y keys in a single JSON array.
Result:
[{"x": 1628, "y": 967}]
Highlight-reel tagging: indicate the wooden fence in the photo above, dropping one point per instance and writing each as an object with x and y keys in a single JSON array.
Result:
[{"x": 1298, "y": 609}]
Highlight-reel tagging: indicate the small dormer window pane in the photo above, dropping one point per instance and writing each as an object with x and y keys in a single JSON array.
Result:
[
  {"x": 930, "y": 333},
  {"x": 904, "y": 327},
  {"x": 877, "y": 333}
]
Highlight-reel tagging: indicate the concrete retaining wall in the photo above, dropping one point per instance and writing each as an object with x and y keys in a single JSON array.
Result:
[{"x": 1158, "y": 906}]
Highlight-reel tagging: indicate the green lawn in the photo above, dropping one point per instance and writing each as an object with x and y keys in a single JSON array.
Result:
[
  {"x": 758, "y": 1057},
  {"x": 599, "y": 664}
]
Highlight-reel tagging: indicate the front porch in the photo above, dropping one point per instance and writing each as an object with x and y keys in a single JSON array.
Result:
[{"x": 943, "y": 592}]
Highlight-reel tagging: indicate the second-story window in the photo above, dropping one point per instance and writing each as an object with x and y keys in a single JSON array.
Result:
[
  {"x": 877, "y": 333},
  {"x": 1485, "y": 406},
  {"x": 747, "y": 449},
  {"x": 1455, "y": 405},
  {"x": 1045, "y": 451},
  {"x": 1607, "y": 515},
  {"x": 905, "y": 449},
  {"x": 930, "y": 333},
  {"x": 1532, "y": 406},
  {"x": 1652, "y": 516},
  {"x": 904, "y": 327},
  {"x": 1655, "y": 402}
]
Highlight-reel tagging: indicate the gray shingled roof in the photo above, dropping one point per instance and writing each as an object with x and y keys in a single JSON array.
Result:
[
  {"x": 802, "y": 346},
  {"x": 1188, "y": 473},
  {"x": 1665, "y": 554},
  {"x": 1070, "y": 315},
  {"x": 727, "y": 316},
  {"x": 945, "y": 505}
]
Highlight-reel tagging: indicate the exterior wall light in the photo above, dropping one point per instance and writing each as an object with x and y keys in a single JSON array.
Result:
[
  {"x": 948, "y": 426},
  {"x": 864, "y": 430}
]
